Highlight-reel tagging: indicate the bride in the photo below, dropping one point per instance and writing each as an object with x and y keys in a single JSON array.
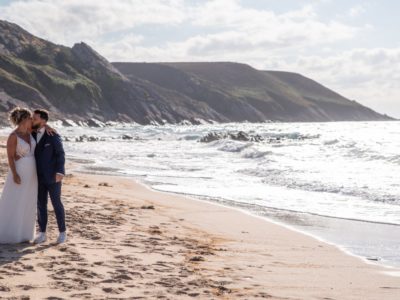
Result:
[{"x": 19, "y": 197}]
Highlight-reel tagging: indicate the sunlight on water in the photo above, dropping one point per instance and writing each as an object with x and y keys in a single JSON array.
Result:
[{"x": 344, "y": 170}]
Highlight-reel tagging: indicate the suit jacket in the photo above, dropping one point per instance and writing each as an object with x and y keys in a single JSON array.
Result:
[{"x": 50, "y": 157}]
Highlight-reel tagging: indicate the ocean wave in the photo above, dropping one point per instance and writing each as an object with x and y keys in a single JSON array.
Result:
[
  {"x": 291, "y": 179},
  {"x": 262, "y": 172},
  {"x": 395, "y": 159},
  {"x": 253, "y": 154},
  {"x": 348, "y": 145},
  {"x": 292, "y": 136},
  {"x": 230, "y": 146},
  {"x": 326, "y": 187},
  {"x": 330, "y": 142},
  {"x": 336, "y": 161},
  {"x": 372, "y": 155},
  {"x": 269, "y": 137},
  {"x": 190, "y": 137}
]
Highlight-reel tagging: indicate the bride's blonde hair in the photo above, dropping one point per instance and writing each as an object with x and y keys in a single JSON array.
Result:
[{"x": 18, "y": 114}]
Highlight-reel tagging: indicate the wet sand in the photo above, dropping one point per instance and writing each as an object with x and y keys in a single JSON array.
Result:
[{"x": 129, "y": 242}]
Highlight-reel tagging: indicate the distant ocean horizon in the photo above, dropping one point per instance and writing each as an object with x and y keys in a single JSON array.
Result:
[{"x": 337, "y": 181}]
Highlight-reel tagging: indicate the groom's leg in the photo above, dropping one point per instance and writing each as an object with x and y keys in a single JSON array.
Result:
[
  {"x": 55, "y": 196},
  {"x": 42, "y": 206}
]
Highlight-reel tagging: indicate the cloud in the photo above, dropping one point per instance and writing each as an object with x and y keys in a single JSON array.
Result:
[
  {"x": 357, "y": 10},
  {"x": 70, "y": 21},
  {"x": 369, "y": 76},
  {"x": 245, "y": 28},
  {"x": 222, "y": 29},
  {"x": 229, "y": 31}
]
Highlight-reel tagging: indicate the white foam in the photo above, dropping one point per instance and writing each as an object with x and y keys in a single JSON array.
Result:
[{"x": 343, "y": 170}]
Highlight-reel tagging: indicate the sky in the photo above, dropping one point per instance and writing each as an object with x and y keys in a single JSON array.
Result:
[{"x": 352, "y": 47}]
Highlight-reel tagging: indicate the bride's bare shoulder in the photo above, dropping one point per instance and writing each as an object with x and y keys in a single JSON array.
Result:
[
  {"x": 12, "y": 138},
  {"x": 13, "y": 134}
]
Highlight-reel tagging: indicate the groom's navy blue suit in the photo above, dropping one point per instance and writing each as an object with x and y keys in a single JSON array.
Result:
[{"x": 50, "y": 160}]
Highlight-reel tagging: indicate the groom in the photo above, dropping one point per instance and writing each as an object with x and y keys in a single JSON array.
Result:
[{"x": 50, "y": 161}]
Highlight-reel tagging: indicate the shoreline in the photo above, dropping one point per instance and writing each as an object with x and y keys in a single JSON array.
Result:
[
  {"x": 279, "y": 223},
  {"x": 127, "y": 240},
  {"x": 358, "y": 262},
  {"x": 296, "y": 228},
  {"x": 373, "y": 260},
  {"x": 267, "y": 219}
]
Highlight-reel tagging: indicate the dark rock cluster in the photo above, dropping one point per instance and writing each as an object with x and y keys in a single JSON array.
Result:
[{"x": 236, "y": 136}]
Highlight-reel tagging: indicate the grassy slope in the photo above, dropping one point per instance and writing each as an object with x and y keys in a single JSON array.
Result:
[{"x": 268, "y": 95}]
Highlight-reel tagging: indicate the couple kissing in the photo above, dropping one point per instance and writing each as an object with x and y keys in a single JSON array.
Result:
[{"x": 36, "y": 160}]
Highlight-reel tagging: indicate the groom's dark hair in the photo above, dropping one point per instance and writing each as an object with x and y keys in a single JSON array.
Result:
[{"x": 44, "y": 114}]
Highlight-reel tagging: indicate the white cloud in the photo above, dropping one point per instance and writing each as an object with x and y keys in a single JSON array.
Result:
[
  {"x": 70, "y": 21},
  {"x": 357, "y": 10},
  {"x": 246, "y": 27},
  {"x": 369, "y": 76},
  {"x": 232, "y": 32}
]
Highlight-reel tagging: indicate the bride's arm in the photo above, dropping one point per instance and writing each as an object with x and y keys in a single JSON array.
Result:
[{"x": 12, "y": 156}]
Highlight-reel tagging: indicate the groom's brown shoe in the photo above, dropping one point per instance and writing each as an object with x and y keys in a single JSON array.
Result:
[{"x": 41, "y": 238}]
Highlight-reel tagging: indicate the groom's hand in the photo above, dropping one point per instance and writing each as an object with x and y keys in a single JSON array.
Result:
[
  {"x": 59, "y": 177},
  {"x": 17, "y": 179},
  {"x": 50, "y": 131}
]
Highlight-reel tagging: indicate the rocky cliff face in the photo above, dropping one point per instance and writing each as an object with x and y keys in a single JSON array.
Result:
[
  {"x": 78, "y": 83},
  {"x": 243, "y": 93}
]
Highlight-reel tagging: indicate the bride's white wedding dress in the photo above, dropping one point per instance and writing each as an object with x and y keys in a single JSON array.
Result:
[{"x": 18, "y": 201}]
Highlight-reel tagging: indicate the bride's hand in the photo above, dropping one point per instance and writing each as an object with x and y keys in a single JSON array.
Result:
[
  {"x": 17, "y": 179},
  {"x": 50, "y": 131}
]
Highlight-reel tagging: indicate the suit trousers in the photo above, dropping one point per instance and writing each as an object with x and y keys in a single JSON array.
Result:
[{"x": 54, "y": 190}]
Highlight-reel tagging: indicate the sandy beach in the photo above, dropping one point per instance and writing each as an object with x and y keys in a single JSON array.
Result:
[{"x": 129, "y": 242}]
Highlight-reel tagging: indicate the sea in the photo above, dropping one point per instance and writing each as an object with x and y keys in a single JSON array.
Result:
[{"x": 336, "y": 181}]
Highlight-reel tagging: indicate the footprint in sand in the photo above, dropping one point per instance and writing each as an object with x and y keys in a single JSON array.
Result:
[
  {"x": 4, "y": 289},
  {"x": 25, "y": 287}
]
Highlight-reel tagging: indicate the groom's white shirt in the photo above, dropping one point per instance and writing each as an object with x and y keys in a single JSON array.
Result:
[{"x": 39, "y": 135}]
